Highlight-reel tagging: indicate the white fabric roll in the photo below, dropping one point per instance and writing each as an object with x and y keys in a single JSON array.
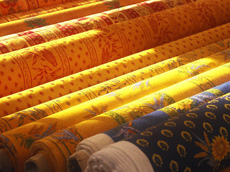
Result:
[
  {"x": 86, "y": 148},
  {"x": 122, "y": 156}
]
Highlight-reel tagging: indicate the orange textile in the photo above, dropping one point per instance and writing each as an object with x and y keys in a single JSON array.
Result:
[
  {"x": 46, "y": 62},
  {"x": 84, "y": 79},
  {"x": 37, "y": 36},
  {"x": 39, "y": 11},
  {"x": 126, "y": 87},
  {"x": 59, "y": 16},
  {"x": 14, "y": 6},
  {"x": 18, "y": 141}
]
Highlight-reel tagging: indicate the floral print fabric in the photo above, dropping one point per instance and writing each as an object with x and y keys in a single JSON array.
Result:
[
  {"x": 64, "y": 79},
  {"x": 201, "y": 134},
  {"x": 52, "y": 60}
]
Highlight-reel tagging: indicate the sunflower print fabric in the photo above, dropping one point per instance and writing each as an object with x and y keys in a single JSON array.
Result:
[
  {"x": 195, "y": 141},
  {"x": 93, "y": 144},
  {"x": 64, "y": 142}
]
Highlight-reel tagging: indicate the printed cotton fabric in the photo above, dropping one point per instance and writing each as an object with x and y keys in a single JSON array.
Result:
[
  {"x": 93, "y": 144},
  {"x": 195, "y": 141},
  {"x": 65, "y": 141},
  {"x": 62, "y": 57},
  {"x": 79, "y": 75}
]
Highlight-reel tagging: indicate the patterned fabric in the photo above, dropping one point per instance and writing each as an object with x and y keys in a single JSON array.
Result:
[
  {"x": 14, "y": 6},
  {"x": 92, "y": 144},
  {"x": 203, "y": 137},
  {"x": 90, "y": 7},
  {"x": 41, "y": 11},
  {"x": 76, "y": 82},
  {"x": 63, "y": 143},
  {"x": 73, "y": 69},
  {"x": 67, "y": 28},
  {"x": 46, "y": 62},
  {"x": 122, "y": 95}
]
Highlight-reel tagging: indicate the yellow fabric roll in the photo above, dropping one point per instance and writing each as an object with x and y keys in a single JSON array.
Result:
[
  {"x": 63, "y": 15},
  {"x": 59, "y": 146},
  {"x": 60, "y": 30},
  {"x": 10, "y": 7},
  {"x": 22, "y": 137},
  {"x": 49, "y": 61},
  {"x": 127, "y": 94},
  {"x": 81, "y": 80},
  {"x": 44, "y": 10}
]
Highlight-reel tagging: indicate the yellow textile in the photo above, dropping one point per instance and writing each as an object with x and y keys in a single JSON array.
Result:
[
  {"x": 46, "y": 19},
  {"x": 58, "y": 150},
  {"x": 39, "y": 11},
  {"x": 60, "y": 30},
  {"x": 10, "y": 7},
  {"x": 84, "y": 79},
  {"x": 46, "y": 62},
  {"x": 124, "y": 95}
]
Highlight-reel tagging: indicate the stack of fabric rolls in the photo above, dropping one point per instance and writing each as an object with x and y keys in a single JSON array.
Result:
[{"x": 114, "y": 85}]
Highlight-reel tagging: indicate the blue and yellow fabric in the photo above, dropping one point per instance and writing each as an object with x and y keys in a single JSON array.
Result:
[{"x": 198, "y": 140}]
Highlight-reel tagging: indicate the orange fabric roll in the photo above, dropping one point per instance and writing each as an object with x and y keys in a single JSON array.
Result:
[
  {"x": 81, "y": 80},
  {"x": 59, "y": 16},
  {"x": 10, "y": 7},
  {"x": 44, "y": 10},
  {"x": 18, "y": 141},
  {"x": 126, "y": 87},
  {"x": 60, "y": 30},
  {"x": 52, "y": 60}
]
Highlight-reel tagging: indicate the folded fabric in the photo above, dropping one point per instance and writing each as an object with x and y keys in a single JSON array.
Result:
[
  {"x": 75, "y": 82},
  {"x": 195, "y": 141},
  {"x": 60, "y": 145},
  {"x": 60, "y": 30},
  {"x": 95, "y": 143},
  {"x": 122, "y": 95}
]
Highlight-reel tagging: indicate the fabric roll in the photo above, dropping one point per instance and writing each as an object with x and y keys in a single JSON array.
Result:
[
  {"x": 92, "y": 7},
  {"x": 68, "y": 28},
  {"x": 195, "y": 141},
  {"x": 60, "y": 145},
  {"x": 81, "y": 80},
  {"x": 122, "y": 95},
  {"x": 95, "y": 143},
  {"x": 56, "y": 59},
  {"x": 11, "y": 7},
  {"x": 44, "y": 10}
]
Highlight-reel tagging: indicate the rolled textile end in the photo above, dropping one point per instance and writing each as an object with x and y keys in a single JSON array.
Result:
[
  {"x": 121, "y": 156},
  {"x": 86, "y": 148},
  {"x": 75, "y": 164},
  {"x": 37, "y": 163},
  {"x": 6, "y": 163}
]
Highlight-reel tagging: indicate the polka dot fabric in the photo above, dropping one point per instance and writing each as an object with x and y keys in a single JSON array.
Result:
[
  {"x": 56, "y": 59},
  {"x": 64, "y": 147},
  {"x": 123, "y": 89},
  {"x": 45, "y": 92}
]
